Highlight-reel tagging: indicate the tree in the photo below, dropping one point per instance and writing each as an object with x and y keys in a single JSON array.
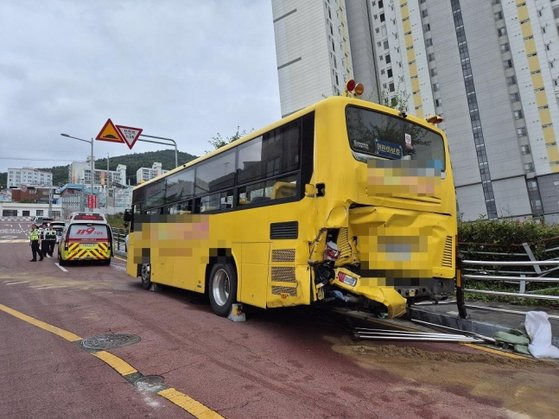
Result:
[
  {"x": 397, "y": 101},
  {"x": 218, "y": 141}
]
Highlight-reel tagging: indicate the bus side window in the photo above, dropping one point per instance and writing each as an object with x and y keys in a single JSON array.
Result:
[{"x": 181, "y": 208}]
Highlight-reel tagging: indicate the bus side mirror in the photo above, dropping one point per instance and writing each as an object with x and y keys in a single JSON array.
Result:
[
  {"x": 310, "y": 190},
  {"x": 127, "y": 216}
]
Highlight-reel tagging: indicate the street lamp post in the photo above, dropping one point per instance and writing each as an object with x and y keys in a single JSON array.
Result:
[{"x": 91, "y": 161}]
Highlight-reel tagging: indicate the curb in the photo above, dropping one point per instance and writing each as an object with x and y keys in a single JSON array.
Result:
[{"x": 468, "y": 325}]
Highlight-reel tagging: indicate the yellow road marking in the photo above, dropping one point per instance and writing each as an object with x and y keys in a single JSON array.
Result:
[
  {"x": 496, "y": 351},
  {"x": 185, "y": 402},
  {"x": 193, "y": 407},
  {"x": 119, "y": 365},
  {"x": 45, "y": 326}
]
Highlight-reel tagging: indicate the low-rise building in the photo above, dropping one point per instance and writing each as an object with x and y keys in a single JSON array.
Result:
[
  {"x": 32, "y": 194},
  {"x": 29, "y": 210},
  {"x": 27, "y": 176}
]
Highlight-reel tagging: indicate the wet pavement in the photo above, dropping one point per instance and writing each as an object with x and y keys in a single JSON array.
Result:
[{"x": 297, "y": 363}]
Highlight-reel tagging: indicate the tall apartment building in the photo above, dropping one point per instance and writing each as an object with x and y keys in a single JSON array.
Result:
[
  {"x": 80, "y": 172},
  {"x": 489, "y": 67},
  {"x": 28, "y": 177},
  {"x": 144, "y": 174},
  {"x": 312, "y": 49}
]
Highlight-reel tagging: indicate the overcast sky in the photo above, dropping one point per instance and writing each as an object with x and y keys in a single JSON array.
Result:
[{"x": 184, "y": 69}]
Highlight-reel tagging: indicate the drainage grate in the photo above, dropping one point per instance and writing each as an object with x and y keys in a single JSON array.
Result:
[
  {"x": 150, "y": 383},
  {"x": 112, "y": 340}
]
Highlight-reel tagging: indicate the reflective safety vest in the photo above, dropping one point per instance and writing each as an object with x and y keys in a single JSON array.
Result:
[
  {"x": 50, "y": 234},
  {"x": 34, "y": 236}
]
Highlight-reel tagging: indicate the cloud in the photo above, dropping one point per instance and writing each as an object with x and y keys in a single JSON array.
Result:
[{"x": 179, "y": 69}]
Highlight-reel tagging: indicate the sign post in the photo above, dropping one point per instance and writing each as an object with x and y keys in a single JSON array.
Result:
[{"x": 129, "y": 135}]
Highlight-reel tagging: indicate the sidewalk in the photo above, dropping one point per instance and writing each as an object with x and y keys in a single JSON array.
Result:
[{"x": 482, "y": 321}]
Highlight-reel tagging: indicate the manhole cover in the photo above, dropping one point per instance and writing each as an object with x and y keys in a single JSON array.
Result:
[
  {"x": 150, "y": 383},
  {"x": 109, "y": 341}
]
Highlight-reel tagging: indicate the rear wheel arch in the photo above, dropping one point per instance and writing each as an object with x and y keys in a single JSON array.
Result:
[
  {"x": 221, "y": 255},
  {"x": 221, "y": 282}
]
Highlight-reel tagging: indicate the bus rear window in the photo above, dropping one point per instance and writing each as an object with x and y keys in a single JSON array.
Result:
[
  {"x": 388, "y": 137},
  {"x": 97, "y": 232}
]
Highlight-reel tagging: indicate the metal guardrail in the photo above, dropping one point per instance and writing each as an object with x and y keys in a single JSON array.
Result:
[
  {"x": 119, "y": 235},
  {"x": 477, "y": 270}
]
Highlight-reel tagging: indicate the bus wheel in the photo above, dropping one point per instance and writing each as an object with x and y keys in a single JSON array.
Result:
[
  {"x": 222, "y": 288},
  {"x": 145, "y": 275}
]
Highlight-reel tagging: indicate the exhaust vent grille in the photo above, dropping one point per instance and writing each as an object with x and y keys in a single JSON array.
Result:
[
  {"x": 287, "y": 230},
  {"x": 283, "y": 274},
  {"x": 284, "y": 290},
  {"x": 447, "y": 254},
  {"x": 283, "y": 255}
]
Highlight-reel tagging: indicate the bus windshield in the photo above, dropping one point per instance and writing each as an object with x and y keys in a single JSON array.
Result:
[{"x": 388, "y": 137}]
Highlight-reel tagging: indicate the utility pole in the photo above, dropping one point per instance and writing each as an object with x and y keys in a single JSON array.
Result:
[{"x": 91, "y": 158}]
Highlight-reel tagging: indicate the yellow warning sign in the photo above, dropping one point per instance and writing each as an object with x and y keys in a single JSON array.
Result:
[{"x": 109, "y": 133}]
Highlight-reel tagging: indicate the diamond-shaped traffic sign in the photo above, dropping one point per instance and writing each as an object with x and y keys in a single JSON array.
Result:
[{"x": 129, "y": 134}]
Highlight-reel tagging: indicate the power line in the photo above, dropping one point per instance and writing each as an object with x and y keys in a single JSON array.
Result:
[{"x": 25, "y": 158}]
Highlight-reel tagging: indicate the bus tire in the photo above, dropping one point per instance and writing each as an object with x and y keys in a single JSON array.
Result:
[
  {"x": 222, "y": 288},
  {"x": 145, "y": 275}
]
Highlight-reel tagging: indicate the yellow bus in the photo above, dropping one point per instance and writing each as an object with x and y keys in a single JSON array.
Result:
[{"x": 345, "y": 200}]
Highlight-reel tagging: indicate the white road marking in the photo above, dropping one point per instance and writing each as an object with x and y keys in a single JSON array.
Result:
[
  {"x": 64, "y": 269},
  {"x": 17, "y": 282},
  {"x": 15, "y": 241}
]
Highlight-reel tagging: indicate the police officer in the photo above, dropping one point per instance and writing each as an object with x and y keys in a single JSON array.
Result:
[
  {"x": 50, "y": 237},
  {"x": 34, "y": 239},
  {"x": 44, "y": 241}
]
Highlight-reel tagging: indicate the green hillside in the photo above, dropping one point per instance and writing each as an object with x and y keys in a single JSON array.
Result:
[{"x": 132, "y": 161}]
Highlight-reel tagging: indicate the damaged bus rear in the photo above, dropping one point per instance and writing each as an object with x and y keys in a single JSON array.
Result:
[{"x": 387, "y": 205}]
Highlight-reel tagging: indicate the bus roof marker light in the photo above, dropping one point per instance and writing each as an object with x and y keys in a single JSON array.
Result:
[
  {"x": 359, "y": 89},
  {"x": 353, "y": 88}
]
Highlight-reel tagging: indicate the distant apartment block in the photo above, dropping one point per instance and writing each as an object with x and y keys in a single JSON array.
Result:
[
  {"x": 489, "y": 67},
  {"x": 144, "y": 174},
  {"x": 28, "y": 177},
  {"x": 80, "y": 173}
]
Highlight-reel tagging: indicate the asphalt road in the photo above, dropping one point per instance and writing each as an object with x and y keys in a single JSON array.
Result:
[
  {"x": 14, "y": 231},
  {"x": 296, "y": 363}
]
